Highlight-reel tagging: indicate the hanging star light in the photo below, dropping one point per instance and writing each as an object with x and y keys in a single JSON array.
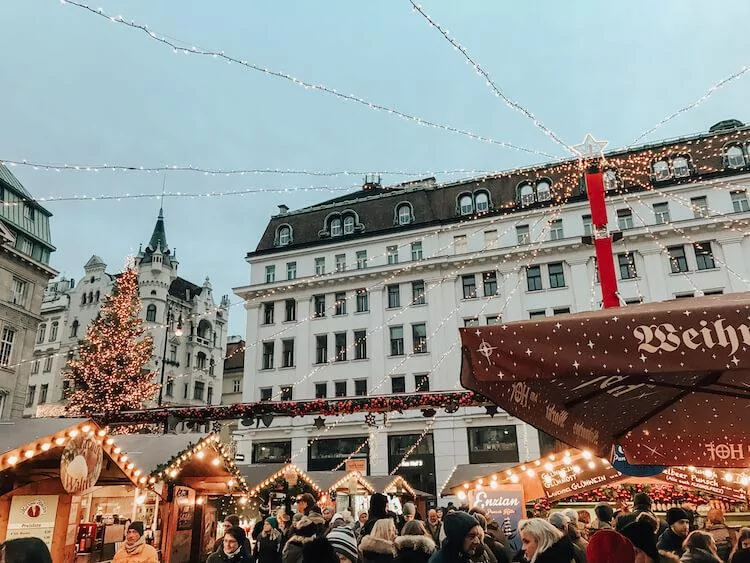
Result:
[
  {"x": 320, "y": 422},
  {"x": 590, "y": 147}
]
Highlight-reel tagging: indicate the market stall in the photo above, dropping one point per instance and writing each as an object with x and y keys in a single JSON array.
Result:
[
  {"x": 343, "y": 490},
  {"x": 399, "y": 491}
]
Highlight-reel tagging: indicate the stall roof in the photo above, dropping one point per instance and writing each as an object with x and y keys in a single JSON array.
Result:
[
  {"x": 17, "y": 433},
  {"x": 327, "y": 480},
  {"x": 149, "y": 451},
  {"x": 384, "y": 484},
  {"x": 471, "y": 471},
  {"x": 259, "y": 476}
]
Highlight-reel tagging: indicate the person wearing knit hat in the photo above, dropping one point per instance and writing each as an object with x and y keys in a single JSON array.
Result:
[
  {"x": 135, "y": 549},
  {"x": 268, "y": 544},
  {"x": 318, "y": 550},
  {"x": 641, "y": 535},
  {"x": 463, "y": 538},
  {"x": 344, "y": 544},
  {"x": 673, "y": 537},
  {"x": 303, "y": 532},
  {"x": 607, "y": 546}
]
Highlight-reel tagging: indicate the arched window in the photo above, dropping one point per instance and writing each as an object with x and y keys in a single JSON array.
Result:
[
  {"x": 200, "y": 360},
  {"x": 204, "y": 329},
  {"x": 53, "y": 331},
  {"x": 734, "y": 157},
  {"x": 611, "y": 182},
  {"x": 74, "y": 328},
  {"x": 151, "y": 313},
  {"x": 285, "y": 235},
  {"x": 681, "y": 167},
  {"x": 336, "y": 227},
  {"x": 211, "y": 365},
  {"x": 543, "y": 192},
  {"x": 83, "y": 299},
  {"x": 348, "y": 225},
  {"x": 41, "y": 334},
  {"x": 526, "y": 194},
  {"x": 97, "y": 295},
  {"x": 91, "y": 296},
  {"x": 661, "y": 170},
  {"x": 482, "y": 202},
  {"x": 466, "y": 204},
  {"x": 404, "y": 214}
]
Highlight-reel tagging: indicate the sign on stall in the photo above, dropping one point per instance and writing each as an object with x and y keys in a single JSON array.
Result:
[
  {"x": 703, "y": 481},
  {"x": 359, "y": 465},
  {"x": 32, "y": 517},
  {"x": 504, "y": 504},
  {"x": 573, "y": 479}
]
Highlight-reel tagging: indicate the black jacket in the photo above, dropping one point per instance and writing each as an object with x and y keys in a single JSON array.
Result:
[
  {"x": 669, "y": 541},
  {"x": 376, "y": 550},
  {"x": 699, "y": 556},
  {"x": 268, "y": 548},
  {"x": 221, "y": 557},
  {"x": 497, "y": 549},
  {"x": 559, "y": 552},
  {"x": 414, "y": 549}
]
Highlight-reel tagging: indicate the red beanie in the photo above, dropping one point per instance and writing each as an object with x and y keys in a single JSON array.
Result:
[{"x": 607, "y": 546}]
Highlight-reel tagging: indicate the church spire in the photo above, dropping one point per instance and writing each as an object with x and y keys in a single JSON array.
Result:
[{"x": 158, "y": 242}]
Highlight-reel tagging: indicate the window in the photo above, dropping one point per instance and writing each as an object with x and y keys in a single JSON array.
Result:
[
  {"x": 266, "y": 393},
  {"x": 734, "y": 157},
  {"x": 41, "y": 333},
  {"x": 700, "y": 206},
  {"x": 534, "y": 278},
  {"x": 360, "y": 387},
  {"x": 493, "y": 319},
  {"x": 320, "y": 266},
  {"x": 321, "y": 390},
  {"x": 397, "y": 340},
  {"x": 28, "y": 212},
  {"x": 169, "y": 391},
  {"x": 417, "y": 292},
  {"x": 290, "y": 310},
  {"x": 211, "y": 367},
  {"x": 561, "y": 311},
  {"x": 187, "y": 361},
  {"x": 661, "y": 170},
  {"x": 287, "y": 353},
  {"x": 681, "y": 167},
  {"x": 286, "y": 393},
  {"x": 391, "y": 254},
  {"x": 543, "y": 192},
  {"x": 624, "y": 219},
  {"x": 340, "y": 260},
  {"x": 348, "y": 225},
  {"x": 336, "y": 227},
  {"x": 319, "y": 303},
  {"x": 556, "y": 229},
  {"x": 268, "y": 313},
  {"x": 237, "y": 385},
  {"x": 47, "y": 364},
  {"x": 489, "y": 280},
  {"x": 556, "y": 275},
  {"x": 200, "y": 360},
  {"x": 209, "y": 395},
  {"x": 6, "y": 346},
  {"x": 404, "y": 214},
  {"x": 24, "y": 245},
  {"x": 173, "y": 353},
  {"x": 611, "y": 181},
  {"x": 398, "y": 384},
  {"x": 526, "y": 194},
  {"x": 198, "y": 390},
  {"x": 326, "y": 455},
  {"x": 151, "y": 313},
  {"x": 588, "y": 226},
  {"x": 272, "y": 452},
  {"x": 421, "y": 382},
  {"x": 267, "y": 355},
  {"x": 469, "y": 285},
  {"x": 465, "y": 205},
  {"x": 419, "y": 338},
  {"x": 471, "y": 321},
  {"x": 30, "y": 394},
  {"x": 522, "y": 234},
  {"x": 285, "y": 235},
  {"x": 491, "y": 239},
  {"x": 53, "y": 331},
  {"x": 340, "y": 345},
  {"x": 291, "y": 270},
  {"x": 20, "y": 288},
  {"x": 459, "y": 244},
  {"x": 686, "y": 295},
  {"x": 321, "y": 348},
  {"x": 416, "y": 251},
  {"x": 360, "y": 345},
  {"x": 482, "y": 202},
  {"x": 363, "y": 301},
  {"x": 394, "y": 296},
  {"x": 361, "y": 259},
  {"x": 739, "y": 201},
  {"x": 270, "y": 274},
  {"x": 677, "y": 259},
  {"x": 661, "y": 213},
  {"x": 626, "y": 262},
  {"x": 713, "y": 292},
  {"x": 703, "y": 255},
  {"x": 339, "y": 389},
  {"x": 340, "y": 303},
  {"x": 185, "y": 390},
  {"x": 34, "y": 367},
  {"x": 493, "y": 444}
]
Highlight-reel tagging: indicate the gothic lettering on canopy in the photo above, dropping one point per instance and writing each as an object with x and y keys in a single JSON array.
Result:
[{"x": 666, "y": 338}]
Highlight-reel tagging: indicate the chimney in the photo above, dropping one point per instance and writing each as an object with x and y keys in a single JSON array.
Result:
[
  {"x": 371, "y": 182},
  {"x": 283, "y": 209}
]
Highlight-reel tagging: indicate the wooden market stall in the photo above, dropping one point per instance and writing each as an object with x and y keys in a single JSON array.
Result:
[
  {"x": 344, "y": 490},
  {"x": 396, "y": 487}
]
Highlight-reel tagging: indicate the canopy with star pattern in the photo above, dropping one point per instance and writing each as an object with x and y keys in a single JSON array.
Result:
[{"x": 669, "y": 381}]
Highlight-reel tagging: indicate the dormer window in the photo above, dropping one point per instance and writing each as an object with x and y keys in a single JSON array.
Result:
[
  {"x": 404, "y": 215},
  {"x": 337, "y": 224},
  {"x": 466, "y": 204},
  {"x": 284, "y": 235},
  {"x": 734, "y": 157},
  {"x": 482, "y": 202},
  {"x": 543, "y": 191},
  {"x": 336, "y": 227},
  {"x": 525, "y": 194},
  {"x": 611, "y": 181},
  {"x": 348, "y": 225},
  {"x": 681, "y": 167},
  {"x": 661, "y": 170}
]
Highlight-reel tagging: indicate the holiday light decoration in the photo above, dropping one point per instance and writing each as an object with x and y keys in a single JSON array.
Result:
[
  {"x": 279, "y": 478},
  {"x": 108, "y": 375}
]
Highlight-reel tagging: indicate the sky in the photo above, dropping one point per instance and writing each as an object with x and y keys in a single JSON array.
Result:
[{"x": 81, "y": 89}]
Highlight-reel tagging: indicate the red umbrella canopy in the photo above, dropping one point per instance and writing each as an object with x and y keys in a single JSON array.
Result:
[{"x": 668, "y": 381}]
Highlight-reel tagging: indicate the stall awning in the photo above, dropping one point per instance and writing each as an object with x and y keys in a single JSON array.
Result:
[
  {"x": 470, "y": 471},
  {"x": 390, "y": 484},
  {"x": 261, "y": 476},
  {"x": 334, "y": 480},
  {"x": 16, "y": 434}
]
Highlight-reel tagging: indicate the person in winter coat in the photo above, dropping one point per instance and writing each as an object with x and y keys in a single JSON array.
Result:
[
  {"x": 268, "y": 543},
  {"x": 641, "y": 503},
  {"x": 700, "y": 547},
  {"x": 359, "y": 524},
  {"x": 344, "y": 544},
  {"x": 232, "y": 521},
  {"x": 607, "y": 546},
  {"x": 134, "y": 549},
  {"x": 641, "y": 534},
  {"x": 25, "y": 550},
  {"x": 723, "y": 536},
  {"x": 543, "y": 543},
  {"x": 674, "y": 536},
  {"x": 487, "y": 554},
  {"x": 604, "y": 516},
  {"x": 433, "y": 525},
  {"x": 463, "y": 539},
  {"x": 265, "y": 512},
  {"x": 318, "y": 550},
  {"x": 378, "y": 546},
  {"x": 378, "y": 511},
  {"x": 561, "y": 521},
  {"x": 414, "y": 545},
  {"x": 741, "y": 546},
  {"x": 233, "y": 548},
  {"x": 495, "y": 531},
  {"x": 305, "y": 530}
]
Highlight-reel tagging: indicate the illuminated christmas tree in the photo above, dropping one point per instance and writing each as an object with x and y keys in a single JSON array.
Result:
[{"x": 109, "y": 376}]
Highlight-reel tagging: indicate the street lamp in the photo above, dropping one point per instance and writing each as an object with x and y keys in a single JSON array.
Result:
[{"x": 177, "y": 332}]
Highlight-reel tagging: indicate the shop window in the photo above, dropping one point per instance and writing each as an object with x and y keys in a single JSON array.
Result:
[
  {"x": 493, "y": 444},
  {"x": 325, "y": 454},
  {"x": 272, "y": 452}
]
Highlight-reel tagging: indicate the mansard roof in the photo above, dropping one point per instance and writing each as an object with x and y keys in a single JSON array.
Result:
[{"x": 181, "y": 288}]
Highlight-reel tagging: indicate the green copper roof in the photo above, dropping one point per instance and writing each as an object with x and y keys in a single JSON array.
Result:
[{"x": 8, "y": 177}]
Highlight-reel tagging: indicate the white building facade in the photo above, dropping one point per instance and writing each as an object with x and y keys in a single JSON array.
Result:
[
  {"x": 363, "y": 295},
  {"x": 177, "y": 312}
]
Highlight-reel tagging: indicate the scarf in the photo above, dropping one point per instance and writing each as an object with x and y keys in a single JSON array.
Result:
[
  {"x": 131, "y": 548},
  {"x": 234, "y": 554}
]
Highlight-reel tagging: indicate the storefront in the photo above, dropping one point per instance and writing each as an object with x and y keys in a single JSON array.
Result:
[
  {"x": 331, "y": 453},
  {"x": 343, "y": 490},
  {"x": 400, "y": 491},
  {"x": 419, "y": 468}
]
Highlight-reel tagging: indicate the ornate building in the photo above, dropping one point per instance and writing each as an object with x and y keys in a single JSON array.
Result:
[{"x": 189, "y": 329}]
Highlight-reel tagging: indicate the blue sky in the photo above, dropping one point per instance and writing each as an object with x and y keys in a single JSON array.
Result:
[{"x": 81, "y": 89}]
